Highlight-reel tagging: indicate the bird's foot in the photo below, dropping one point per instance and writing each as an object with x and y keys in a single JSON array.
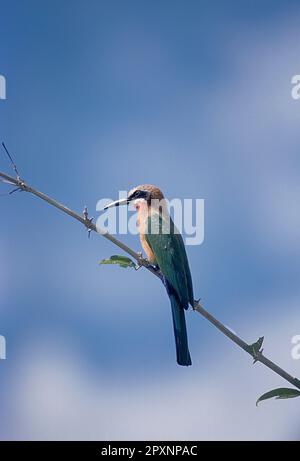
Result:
[
  {"x": 144, "y": 262},
  {"x": 141, "y": 261}
]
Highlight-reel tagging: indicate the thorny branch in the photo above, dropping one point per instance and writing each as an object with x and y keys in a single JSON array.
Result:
[{"x": 253, "y": 350}]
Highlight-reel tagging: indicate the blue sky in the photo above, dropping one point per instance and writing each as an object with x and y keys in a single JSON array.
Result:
[{"x": 191, "y": 96}]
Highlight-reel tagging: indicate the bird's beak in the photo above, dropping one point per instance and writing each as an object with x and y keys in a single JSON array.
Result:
[{"x": 123, "y": 201}]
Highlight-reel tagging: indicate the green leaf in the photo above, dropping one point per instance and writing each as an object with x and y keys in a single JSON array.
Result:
[
  {"x": 122, "y": 261},
  {"x": 280, "y": 393}
]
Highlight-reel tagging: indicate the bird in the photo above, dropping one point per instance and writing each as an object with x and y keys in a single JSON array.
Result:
[{"x": 165, "y": 251}]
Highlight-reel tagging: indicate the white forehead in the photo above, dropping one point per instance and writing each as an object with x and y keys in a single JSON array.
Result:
[{"x": 132, "y": 191}]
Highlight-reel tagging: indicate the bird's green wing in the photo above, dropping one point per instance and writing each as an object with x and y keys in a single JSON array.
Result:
[{"x": 171, "y": 257}]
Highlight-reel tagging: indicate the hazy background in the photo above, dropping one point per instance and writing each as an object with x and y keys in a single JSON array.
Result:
[{"x": 194, "y": 96}]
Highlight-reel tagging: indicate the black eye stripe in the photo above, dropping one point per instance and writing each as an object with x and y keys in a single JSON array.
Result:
[{"x": 139, "y": 194}]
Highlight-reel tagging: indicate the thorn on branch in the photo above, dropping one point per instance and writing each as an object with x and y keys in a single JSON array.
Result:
[
  {"x": 88, "y": 221},
  {"x": 14, "y": 166},
  {"x": 15, "y": 190},
  {"x": 5, "y": 181},
  {"x": 19, "y": 182},
  {"x": 11, "y": 192},
  {"x": 196, "y": 304},
  {"x": 255, "y": 349},
  {"x": 21, "y": 186}
]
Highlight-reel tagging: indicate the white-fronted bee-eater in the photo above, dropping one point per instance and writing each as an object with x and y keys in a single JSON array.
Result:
[{"x": 164, "y": 247}]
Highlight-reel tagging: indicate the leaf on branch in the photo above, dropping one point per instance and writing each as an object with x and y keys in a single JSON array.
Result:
[
  {"x": 121, "y": 261},
  {"x": 255, "y": 348},
  {"x": 280, "y": 393}
]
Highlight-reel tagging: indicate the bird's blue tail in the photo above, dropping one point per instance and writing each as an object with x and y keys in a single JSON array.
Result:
[{"x": 182, "y": 348}]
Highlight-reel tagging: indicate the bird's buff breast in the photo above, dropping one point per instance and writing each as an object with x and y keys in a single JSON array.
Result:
[
  {"x": 147, "y": 249},
  {"x": 143, "y": 214}
]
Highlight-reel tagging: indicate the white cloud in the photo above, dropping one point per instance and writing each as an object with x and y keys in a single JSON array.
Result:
[
  {"x": 258, "y": 123},
  {"x": 55, "y": 397}
]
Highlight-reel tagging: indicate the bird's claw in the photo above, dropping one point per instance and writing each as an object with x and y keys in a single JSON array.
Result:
[{"x": 141, "y": 261}]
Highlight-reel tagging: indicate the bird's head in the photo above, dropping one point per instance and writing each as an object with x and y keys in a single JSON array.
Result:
[{"x": 141, "y": 197}]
